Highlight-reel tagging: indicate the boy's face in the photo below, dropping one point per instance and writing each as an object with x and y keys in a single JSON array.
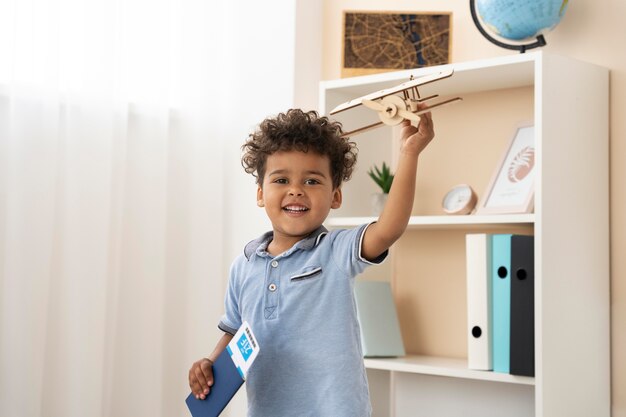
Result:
[{"x": 297, "y": 193}]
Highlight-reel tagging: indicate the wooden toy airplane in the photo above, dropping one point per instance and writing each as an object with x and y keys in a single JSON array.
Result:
[{"x": 393, "y": 109}]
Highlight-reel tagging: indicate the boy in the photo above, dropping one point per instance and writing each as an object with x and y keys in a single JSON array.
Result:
[{"x": 294, "y": 284}]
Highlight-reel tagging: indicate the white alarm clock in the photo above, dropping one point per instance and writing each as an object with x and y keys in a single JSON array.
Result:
[{"x": 461, "y": 199}]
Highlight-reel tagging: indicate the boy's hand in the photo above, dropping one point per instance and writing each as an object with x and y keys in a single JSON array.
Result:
[
  {"x": 201, "y": 372},
  {"x": 201, "y": 378},
  {"x": 415, "y": 139}
]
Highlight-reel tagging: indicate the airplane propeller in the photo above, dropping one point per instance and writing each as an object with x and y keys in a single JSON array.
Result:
[{"x": 391, "y": 110}]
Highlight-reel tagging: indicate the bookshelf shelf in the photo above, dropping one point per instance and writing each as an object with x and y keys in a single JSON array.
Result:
[
  {"x": 441, "y": 366},
  {"x": 444, "y": 222},
  {"x": 567, "y": 102}
]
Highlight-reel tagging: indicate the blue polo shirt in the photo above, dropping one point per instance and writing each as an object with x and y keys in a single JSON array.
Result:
[{"x": 300, "y": 305}]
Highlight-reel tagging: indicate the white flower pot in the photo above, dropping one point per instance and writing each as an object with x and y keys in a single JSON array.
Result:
[{"x": 378, "y": 203}]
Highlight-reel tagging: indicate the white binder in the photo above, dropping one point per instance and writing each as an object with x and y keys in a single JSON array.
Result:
[{"x": 479, "y": 329}]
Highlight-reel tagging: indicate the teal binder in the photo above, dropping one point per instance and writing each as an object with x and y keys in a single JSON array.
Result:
[{"x": 501, "y": 301}]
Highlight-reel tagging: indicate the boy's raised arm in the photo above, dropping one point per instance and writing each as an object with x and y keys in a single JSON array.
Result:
[{"x": 395, "y": 216}]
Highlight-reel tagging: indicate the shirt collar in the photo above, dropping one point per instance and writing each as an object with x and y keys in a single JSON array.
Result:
[{"x": 261, "y": 243}]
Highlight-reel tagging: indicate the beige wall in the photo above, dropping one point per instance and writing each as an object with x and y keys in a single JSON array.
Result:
[{"x": 592, "y": 30}]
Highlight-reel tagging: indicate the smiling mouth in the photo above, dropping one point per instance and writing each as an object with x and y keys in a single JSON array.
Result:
[{"x": 295, "y": 209}]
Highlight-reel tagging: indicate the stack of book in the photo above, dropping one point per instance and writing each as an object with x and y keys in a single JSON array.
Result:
[{"x": 500, "y": 303}]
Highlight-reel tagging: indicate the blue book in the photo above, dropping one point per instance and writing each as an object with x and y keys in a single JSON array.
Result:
[
  {"x": 501, "y": 301},
  {"x": 226, "y": 383},
  {"x": 229, "y": 372}
]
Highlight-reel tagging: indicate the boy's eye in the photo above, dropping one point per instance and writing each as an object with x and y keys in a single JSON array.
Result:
[
  {"x": 311, "y": 181},
  {"x": 281, "y": 180}
]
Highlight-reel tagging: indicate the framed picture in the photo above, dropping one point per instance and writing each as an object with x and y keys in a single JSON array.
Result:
[
  {"x": 511, "y": 189},
  {"x": 388, "y": 41}
]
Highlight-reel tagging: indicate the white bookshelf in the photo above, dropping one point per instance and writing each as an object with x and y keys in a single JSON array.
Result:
[{"x": 568, "y": 102}]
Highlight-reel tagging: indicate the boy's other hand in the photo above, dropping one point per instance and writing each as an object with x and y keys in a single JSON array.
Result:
[
  {"x": 415, "y": 139},
  {"x": 201, "y": 378}
]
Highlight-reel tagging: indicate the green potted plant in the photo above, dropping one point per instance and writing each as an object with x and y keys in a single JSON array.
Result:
[{"x": 383, "y": 177}]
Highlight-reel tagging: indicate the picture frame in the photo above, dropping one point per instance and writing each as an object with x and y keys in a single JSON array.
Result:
[
  {"x": 511, "y": 188},
  {"x": 379, "y": 41}
]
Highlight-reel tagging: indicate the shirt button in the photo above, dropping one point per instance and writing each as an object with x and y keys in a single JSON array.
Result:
[
  {"x": 274, "y": 264},
  {"x": 272, "y": 287}
]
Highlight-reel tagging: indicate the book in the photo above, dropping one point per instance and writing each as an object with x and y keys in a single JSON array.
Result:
[
  {"x": 229, "y": 373},
  {"x": 378, "y": 319}
]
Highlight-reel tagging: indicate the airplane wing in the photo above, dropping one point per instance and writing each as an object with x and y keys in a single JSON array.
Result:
[
  {"x": 417, "y": 113},
  {"x": 393, "y": 90}
]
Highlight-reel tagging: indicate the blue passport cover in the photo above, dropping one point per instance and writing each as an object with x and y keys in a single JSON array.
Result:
[{"x": 226, "y": 383}]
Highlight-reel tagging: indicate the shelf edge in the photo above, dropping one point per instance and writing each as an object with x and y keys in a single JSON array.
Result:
[
  {"x": 445, "y": 367},
  {"x": 440, "y": 221}
]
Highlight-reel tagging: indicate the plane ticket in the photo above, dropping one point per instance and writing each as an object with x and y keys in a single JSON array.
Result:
[{"x": 243, "y": 349}]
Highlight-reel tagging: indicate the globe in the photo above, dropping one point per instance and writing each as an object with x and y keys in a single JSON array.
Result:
[{"x": 517, "y": 20}]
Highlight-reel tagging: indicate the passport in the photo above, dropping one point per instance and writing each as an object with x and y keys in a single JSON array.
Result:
[{"x": 229, "y": 373}]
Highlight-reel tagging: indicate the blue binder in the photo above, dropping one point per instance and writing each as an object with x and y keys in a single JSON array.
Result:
[
  {"x": 501, "y": 301},
  {"x": 227, "y": 382}
]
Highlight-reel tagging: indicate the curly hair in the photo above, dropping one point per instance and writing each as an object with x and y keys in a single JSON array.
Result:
[{"x": 300, "y": 131}]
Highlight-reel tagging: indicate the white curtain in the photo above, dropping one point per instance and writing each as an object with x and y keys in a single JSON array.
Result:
[{"x": 115, "y": 120}]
